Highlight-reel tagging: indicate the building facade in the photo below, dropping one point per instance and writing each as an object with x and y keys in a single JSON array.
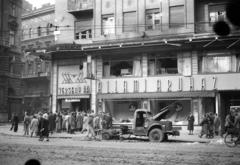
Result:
[
  {"x": 10, "y": 53},
  {"x": 152, "y": 54},
  {"x": 37, "y": 34}
]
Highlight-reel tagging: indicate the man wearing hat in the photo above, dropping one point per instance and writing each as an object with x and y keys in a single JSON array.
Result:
[{"x": 44, "y": 128}]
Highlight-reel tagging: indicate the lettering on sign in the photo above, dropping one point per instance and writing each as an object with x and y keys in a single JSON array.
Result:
[
  {"x": 125, "y": 87},
  {"x": 116, "y": 87},
  {"x": 169, "y": 85},
  {"x": 145, "y": 85},
  {"x": 73, "y": 78},
  {"x": 73, "y": 90},
  {"x": 191, "y": 81},
  {"x": 203, "y": 84},
  {"x": 99, "y": 87},
  {"x": 108, "y": 87},
  {"x": 135, "y": 86},
  {"x": 158, "y": 85},
  {"x": 214, "y": 82},
  {"x": 180, "y": 84}
]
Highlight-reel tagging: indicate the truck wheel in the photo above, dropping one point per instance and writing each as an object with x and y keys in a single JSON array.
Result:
[
  {"x": 156, "y": 135},
  {"x": 105, "y": 136},
  {"x": 165, "y": 137}
]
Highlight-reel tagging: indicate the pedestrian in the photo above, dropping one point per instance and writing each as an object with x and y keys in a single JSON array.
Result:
[
  {"x": 229, "y": 122},
  {"x": 58, "y": 123},
  {"x": 217, "y": 123},
  {"x": 72, "y": 121},
  {"x": 12, "y": 121},
  {"x": 54, "y": 119},
  {"x": 16, "y": 121},
  {"x": 104, "y": 119},
  {"x": 63, "y": 121},
  {"x": 204, "y": 124},
  {"x": 51, "y": 122},
  {"x": 34, "y": 126},
  {"x": 39, "y": 123},
  {"x": 237, "y": 124},
  {"x": 210, "y": 125},
  {"x": 90, "y": 130},
  {"x": 79, "y": 121},
  {"x": 96, "y": 124},
  {"x": 26, "y": 123},
  {"x": 109, "y": 121},
  {"x": 67, "y": 123},
  {"x": 44, "y": 128},
  {"x": 190, "y": 120},
  {"x": 85, "y": 120}
]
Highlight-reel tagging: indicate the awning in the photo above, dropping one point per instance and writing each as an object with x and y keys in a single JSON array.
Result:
[
  {"x": 163, "y": 95},
  {"x": 74, "y": 97}
]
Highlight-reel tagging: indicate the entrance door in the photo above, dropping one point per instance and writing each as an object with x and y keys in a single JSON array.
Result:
[{"x": 140, "y": 130}]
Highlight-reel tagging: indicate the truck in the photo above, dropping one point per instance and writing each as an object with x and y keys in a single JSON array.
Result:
[{"x": 145, "y": 124}]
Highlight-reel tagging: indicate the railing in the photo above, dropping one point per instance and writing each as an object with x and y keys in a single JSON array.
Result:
[
  {"x": 4, "y": 42},
  {"x": 80, "y": 5}
]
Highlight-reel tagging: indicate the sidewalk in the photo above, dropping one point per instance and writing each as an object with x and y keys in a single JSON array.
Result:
[{"x": 184, "y": 137}]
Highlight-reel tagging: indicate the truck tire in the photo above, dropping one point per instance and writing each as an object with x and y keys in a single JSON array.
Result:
[
  {"x": 105, "y": 136},
  {"x": 165, "y": 137},
  {"x": 156, "y": 135}
]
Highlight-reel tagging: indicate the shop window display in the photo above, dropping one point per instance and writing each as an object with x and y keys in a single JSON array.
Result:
[
  {"x": 179, "y": 109},
  {"x": 120, "y": 66},
  {"x": 122, "y": 111}
]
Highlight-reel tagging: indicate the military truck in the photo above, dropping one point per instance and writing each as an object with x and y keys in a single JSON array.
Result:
[{"x": 145, "y": 124}]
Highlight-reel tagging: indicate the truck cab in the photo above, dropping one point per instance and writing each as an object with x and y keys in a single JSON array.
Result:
[{"x": 145, "y": 124}]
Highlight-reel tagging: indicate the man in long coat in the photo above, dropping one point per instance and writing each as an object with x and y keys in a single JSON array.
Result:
[
  {"x": 190, "y": 123},
  {"x": 58, "y": 122},
  {"x": 204, "y": 124},
  {"x": 44, "y": 128},
  {"x": 217, "y": 123},
  {"x": 54, "y": 119},
  {"x": 51, "y": 122},
  {"x": 79, "y": 120},
  {"x": 16, "y": 121}
]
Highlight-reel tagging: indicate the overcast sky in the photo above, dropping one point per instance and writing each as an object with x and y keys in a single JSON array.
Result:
[{"x": 38, "y": 3}]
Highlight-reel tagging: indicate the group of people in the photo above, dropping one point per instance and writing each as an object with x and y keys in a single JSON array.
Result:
[
  {"x": 43, "y": 124},
  {"x": 210, "y": 125}
]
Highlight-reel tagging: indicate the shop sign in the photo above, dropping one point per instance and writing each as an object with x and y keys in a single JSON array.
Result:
[
  {"x": 71, "y": 81},
  {"x": 179, "y": 82},
  {"x": 72, "y": 100}
]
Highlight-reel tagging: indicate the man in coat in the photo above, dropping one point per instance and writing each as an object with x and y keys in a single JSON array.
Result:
[
  {"x": 12, "y": 121},
  {"x": 39, "y": 124},
  {"x": 26, "y": 123},
  {"x": 204, "y": 124},
  {"x": 16, "y": 121},
  {"x": 109, "y": 121},
  {"x": 44, "y": 128},
  {"x": 34, "y": 126},
  {"x": 217, "y": 123},
  {"x": 190, "y": 120},
  {"x": 51, "y": 122},
  {"x": 229, "y": 122},
  {"x": 79, "y": 121}
]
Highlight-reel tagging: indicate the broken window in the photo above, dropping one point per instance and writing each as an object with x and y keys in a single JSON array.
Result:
[
  {"x": 217, "y": 12},
  {"x": 83, "y": 29}
]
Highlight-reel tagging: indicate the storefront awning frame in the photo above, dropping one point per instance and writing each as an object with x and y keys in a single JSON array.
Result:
[
  {"x": 156, "y": 95},
  {"x": 74, "y": 97}
]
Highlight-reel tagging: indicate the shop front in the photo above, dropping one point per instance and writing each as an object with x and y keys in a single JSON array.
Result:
[{"x": 74, "y": 91}]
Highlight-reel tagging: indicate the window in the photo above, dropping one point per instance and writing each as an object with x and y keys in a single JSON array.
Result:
[
  {"x": 12, "y": 37},
  {"x": 39, "y": 31},
  {"x": 30, "y": 69},
  {"x": 47, "y": 69},
  {"x": 108, "y": 25},
  {"x": 123, "y": 65},
  {"x": 83, "y": 29},
  {"x": 176, "y": 16},
  {"x": 222, "y": 63},
  {"x": 30, "y": 33},
  {"x": 23, "y": 34},
  {"x": 168, "y": 63},
  {"x": 2, "y": 93},
  {"x": 217, "y": 13},
  {"x": 38, "y": 67},
  {"x": 129, "y": 22},
  {"x": 13, "y": 9},
  {"x": 152, "y": 19}
]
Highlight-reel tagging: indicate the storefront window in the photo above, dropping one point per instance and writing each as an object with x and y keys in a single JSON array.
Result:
[
  {"x": 179, "y": 109},
  {"x": 120, "y": 66},
  {"x": 122, "y": 111},
  {"x": 168, "y": 63},
  {"x": 219, "y": 64}
]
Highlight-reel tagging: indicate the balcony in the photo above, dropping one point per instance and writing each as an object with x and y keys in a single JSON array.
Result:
[
  {"x": 35, "y": 75},
  {"x": 5, "y": 43},
  {"x": 80, "y": 5},
  {"x": 37, "y": 94}
]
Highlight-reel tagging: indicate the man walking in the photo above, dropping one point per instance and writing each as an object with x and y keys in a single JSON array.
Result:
[
  {"x": 26, "y": 123},
  {"x": 190, "y": 123},
  {"x": 16, "y": 121},
  {"x": 217, "y": 123},
  {"x": 12, "y": 121},
  {"x": 229, "y": 122}
]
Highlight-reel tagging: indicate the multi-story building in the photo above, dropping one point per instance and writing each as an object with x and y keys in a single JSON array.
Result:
[
  {"x": 36, "y": 36},
  {"x": 10, "y": 53},
  {"x": 151, "y": 54}
]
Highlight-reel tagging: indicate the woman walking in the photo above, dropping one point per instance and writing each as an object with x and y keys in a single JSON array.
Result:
[
  {"x": 44, "y": 128},
  {"x": 190, "y": 123},
  {"x": 34, "y": 126}
]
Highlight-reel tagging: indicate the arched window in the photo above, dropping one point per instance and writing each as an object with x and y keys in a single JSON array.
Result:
[
  {"x": 39, "y": 31},
  {"x": 30, "y": 33},
  {"x": 48, "y": 29},
  {"x": 23, "y": 34}
]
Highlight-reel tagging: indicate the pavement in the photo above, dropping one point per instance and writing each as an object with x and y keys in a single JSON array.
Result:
[{"x": 184, "y": 137}]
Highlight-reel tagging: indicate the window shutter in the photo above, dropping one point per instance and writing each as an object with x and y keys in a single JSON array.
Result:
[
  {"x": 176, "y": 14},
  {"x": 129, "y": 22}
]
